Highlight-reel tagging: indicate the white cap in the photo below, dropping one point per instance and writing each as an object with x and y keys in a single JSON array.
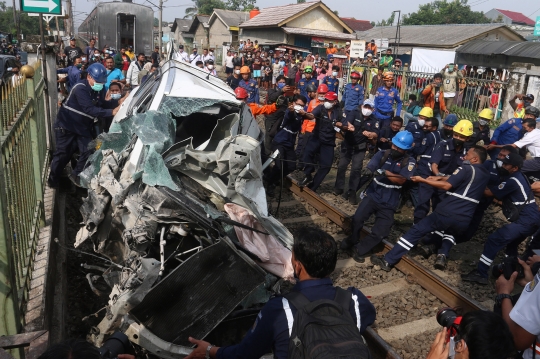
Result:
[{"x": 347, "y": 43}]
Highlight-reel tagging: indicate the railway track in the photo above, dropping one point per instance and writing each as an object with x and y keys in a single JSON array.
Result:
[{"x": 413, "y": 289}]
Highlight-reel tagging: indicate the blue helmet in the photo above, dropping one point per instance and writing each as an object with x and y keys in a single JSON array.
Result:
[
  {"x": 98, "y": 72},
  {"x": 403, "y": 140},
  {"x": 450, "y": 120}
]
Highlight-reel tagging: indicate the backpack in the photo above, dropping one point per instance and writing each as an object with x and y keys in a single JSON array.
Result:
[{"x": 325, "y": 329}]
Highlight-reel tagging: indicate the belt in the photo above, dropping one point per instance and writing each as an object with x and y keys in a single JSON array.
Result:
[{"x": 386, "y": 113}]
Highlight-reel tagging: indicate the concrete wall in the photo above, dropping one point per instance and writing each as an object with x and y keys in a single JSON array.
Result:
[
  {"x": 317, "y": 19},
  {"x": 219, "y": 33},
  {"x": 493, "y": 14},
  {"x": 498, "y": 35},
  {"x": 519, "y": 74},
  {"x": 263, "y": 35},
  {"x": 200, "y": 34}
]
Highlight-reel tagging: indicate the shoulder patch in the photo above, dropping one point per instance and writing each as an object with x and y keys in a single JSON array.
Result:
[
  {"x": 344, "y": 115},
  {"x": 356, "y": 89},
  {"x": 456, "y": 171},
  {"x": 410, "y": 167},
  {"x": 424, "y": 141},
  {"x": 532, "y": 284},
  {"x": 376, "y": 124},
  {"x": 511, "y": 121},
  {"x": 501, "y": 186}
]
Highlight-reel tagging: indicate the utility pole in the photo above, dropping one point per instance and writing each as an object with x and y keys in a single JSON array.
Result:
[
  {"x": 398, "y": 33},
  {"x": 160, "y": 30},
  {"x": 15, "y": 22},
  {"x": 69, "y": 20}
]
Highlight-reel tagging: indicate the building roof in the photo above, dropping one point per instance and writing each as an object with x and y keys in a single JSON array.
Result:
[
  {"x": 199, "y": 19},
  {"x": 280, "y": 15},
  {"x": 229, "y": 18},
  {"x": 517, "y": 17},
  {"x": 527, "y": 49},
  {"x": 319, "y": 33},
  {"x": 182, "y": 25},
  {"x": 443, "y": 36},
  {"x": 357, "y": 25}
]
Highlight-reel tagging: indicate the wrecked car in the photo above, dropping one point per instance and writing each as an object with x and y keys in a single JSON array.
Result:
[{"x": 176, "y": 202}]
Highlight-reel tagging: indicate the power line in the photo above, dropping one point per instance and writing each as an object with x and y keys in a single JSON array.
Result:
[{"x": 534, "y": 12}]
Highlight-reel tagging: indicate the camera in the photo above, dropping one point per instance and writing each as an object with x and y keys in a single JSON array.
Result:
[
  {"x": 508, "y": 266},
  {"x": 118, "y": 343},
  {"x": 446, "y": 317}
]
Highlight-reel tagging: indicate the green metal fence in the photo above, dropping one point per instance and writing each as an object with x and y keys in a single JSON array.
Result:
[{"x": 23, "y": 164}]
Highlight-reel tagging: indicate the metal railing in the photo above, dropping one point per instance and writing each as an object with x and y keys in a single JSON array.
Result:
[
  {"x": 24, "y": 157},
  {"x": 475, "y": 91}
]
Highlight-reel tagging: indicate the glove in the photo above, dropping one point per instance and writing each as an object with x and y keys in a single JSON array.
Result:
[
  {"x": 380, "y": 172},
  {"x": 366, "y": 172},
  {"x": 280, "y": 101}
]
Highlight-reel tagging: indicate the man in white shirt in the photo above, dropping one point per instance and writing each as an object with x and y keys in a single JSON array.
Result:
[
  {"x": 229, "y": 66},
  {"x": 531, "y": 140},
  {"x": 132, "y": 76},
  {"x": 181, "y": 55},
  {"x": 207, "y": 56},
  {"x": 194, "y": 57}
]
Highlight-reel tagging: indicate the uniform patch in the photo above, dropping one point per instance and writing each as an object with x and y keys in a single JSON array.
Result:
[
  {"x": 424, "y": 141},
  {"x": 344, "y": 115},
  {"x": 456, "y": 171},
  {"x": 410, "y": 167},
  {"x": 501, "y": 186},
  {"x": 376, "y": 125},
  {"x": 530, "y": 286},
  {"x": 357, "y": 89},
  {"x": 511, "y": 121},
  {"x": 301, "y": 84},
  {"x": 251, "y": 85}
]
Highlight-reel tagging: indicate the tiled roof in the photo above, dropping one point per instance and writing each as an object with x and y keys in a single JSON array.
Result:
[
  {"x": 432, "y": 35},
  {"x": 230, "y": 18},
  {"x": 357, "y": 25},
  {"x": 182, "y": 24},
  {"x": 271, "y": 16},
  {"x": 320, "y": 33},
  {"x": 517, "y": 17}
]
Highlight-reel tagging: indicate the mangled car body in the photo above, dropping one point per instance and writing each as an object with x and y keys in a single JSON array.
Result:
[{"x": 176, "y": 201}]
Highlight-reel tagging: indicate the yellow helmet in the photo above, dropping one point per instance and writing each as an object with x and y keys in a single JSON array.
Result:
[
  {"x": 486, "y": 114},
  {"x": 464, "y": 127},
  {"x": 426, "y": 112}
]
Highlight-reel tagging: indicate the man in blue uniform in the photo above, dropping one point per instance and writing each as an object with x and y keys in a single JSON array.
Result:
[
  {"x": 73, "y": 73},
  {"x": 250, "y": 85},
  {"x": 384, "y": 101},
  {"x": 481, "y": 131},
  {"x": 314, "y": 257},
  {"x": 514, "y": 188},
  {"x": 308, "y": 80},
  {"x": 384, "y": 141},
  {"x": 75, "y": 120},
  {"x": 332, "y": 80},
  {"x": 390, "y": 169},
  {"x": 353, "y": 94},
  {"x": 327, "y": 117},
  {"x": 359, "y": 127},
  {"x": 416, "y": 127},
  {"x": 447, "y": 131},
  {"x": 424, "y": 191},
  {"x": 465, "y": 187},
  {"x": 284, "y": 141}
]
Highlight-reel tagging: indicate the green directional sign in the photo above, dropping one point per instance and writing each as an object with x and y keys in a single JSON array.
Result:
[
  {"x": 52, "y": 7},
  {"x": 537, "y": 27}
]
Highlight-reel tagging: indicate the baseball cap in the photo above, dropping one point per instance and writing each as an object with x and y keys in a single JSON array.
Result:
[
  {"x": 180, "y": 46},
  {"x": 513, "y": 159},
  {"x": 369, "y": 103},
  {"x": 72, "y": 38},
  {"x": 529, "y": 97}
]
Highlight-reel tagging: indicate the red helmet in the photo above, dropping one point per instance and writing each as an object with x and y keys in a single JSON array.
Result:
[
  {"x": 322, "y": 88},
  {"x": 330, "y": 96},
  {"x": 355, "y": 75},
  {"x": 241, "y": 93}
]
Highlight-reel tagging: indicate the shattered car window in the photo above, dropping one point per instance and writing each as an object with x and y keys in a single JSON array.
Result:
[{"x": 184, "y": 106}]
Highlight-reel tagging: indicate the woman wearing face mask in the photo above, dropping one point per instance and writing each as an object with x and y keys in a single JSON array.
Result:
[
  {"x": 481, "y": 128},
  {"x": 75, "y": 121},
  {"x": 210, "y": 68}
]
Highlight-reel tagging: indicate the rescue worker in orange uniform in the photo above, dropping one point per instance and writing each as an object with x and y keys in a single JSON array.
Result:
[
  {"x": 242, "y": 95},
  {"x": 308, "y": 126}
]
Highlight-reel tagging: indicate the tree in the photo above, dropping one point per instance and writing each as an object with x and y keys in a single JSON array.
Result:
[
  {"x": 156, "y": 22},
  {"x": 240, "y": 5},
  {"x": 204, "y": 7},
  {"x": 300, "y": 1},
  {"x": 445, "y": 12},
  {"x": 388, "y": 22},
  {"x": 29, "y": 24}
]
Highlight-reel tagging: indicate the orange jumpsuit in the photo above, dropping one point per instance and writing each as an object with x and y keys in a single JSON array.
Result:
[
  {"x": 307, "y": 125},
  {"x": 262, "y": 110}
]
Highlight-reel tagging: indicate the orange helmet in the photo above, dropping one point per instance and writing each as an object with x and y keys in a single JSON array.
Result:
[
  {"x": 322, "y": 88},
  {"x": 244, "y": 70},
  {"x": 241, "y": 93},
  {"x": 388, "y": 76}
]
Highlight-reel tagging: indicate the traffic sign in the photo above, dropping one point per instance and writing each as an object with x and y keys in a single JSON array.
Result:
[
  {"x": 537, "y": 27},
  {"x": 52, "y": 7}
]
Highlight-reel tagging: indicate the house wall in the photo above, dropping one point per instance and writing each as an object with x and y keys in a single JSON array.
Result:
[
  {"x": 317, "y": 19},
  {"x": 219, "y": 33},
  {"x": 200, "y": 37},
  {"x": 263, "y": 35},
  {"x": 493, "y": 14},
  {"x": 499, "y": 35}
]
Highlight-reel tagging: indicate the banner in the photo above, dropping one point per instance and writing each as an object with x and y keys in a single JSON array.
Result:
[
  {"x": 425, "y": 60},
  {"x": 357, "y": 49},
  {"x": 323, "y": 42}
]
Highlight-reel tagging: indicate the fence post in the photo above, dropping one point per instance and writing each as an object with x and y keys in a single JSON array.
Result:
[
  {"x": 34, "y": 135},
  {"x": 403, "y": 89}
]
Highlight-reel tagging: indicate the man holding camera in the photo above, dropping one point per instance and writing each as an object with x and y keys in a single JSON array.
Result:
[{"x": 520, "y": 209}]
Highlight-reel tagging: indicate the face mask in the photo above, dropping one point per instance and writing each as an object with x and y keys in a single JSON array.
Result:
[
  {"x": 97, "y": 87},
  {"x": 237, "y": 72},
  {"x": 210, "y": 67},
  {"x": 466, "y": 162},
  {"x": 116, "y": 96},
  {"x": 457, "y": 143},
  {"x": 211, "y": 53},
  {"x": 280, "y": 85},
  {"x": 83, "y": 59},
  {"x": 334, "y": 74},
  {"x": 79, "y": 66},
  {"x": 297, "y": 108},
  {"x": 328, "y": 105},
  {"x": 421, "y": 122},
  {"x": 395, "y": 154},
  {"x": 499, "y": 163},
  {"x": 320, "y": 98},
  {"x": 482, "y": 122},
  {"x": 503, "y": 171},
  {"x": 448, "y": 132},
  {"x": 366, "y": 112},
  {"x": 249, "y": 55}
]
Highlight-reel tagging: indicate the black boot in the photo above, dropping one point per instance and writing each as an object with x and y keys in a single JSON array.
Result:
[
  {"x": 347, "y": 243},
  {"x": 353, "y": 198},
  {"x": 474, "y": 276},
  {"x": 381, "y": 262},
  {"x": 440, "y": 262}
]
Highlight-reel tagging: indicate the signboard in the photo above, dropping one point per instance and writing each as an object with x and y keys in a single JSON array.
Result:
[
  {"x": 381, "y": 43},
  {"x": 357, "y": 49},
  {"x": 47, "y": 7},
  {"x": 323, "y": 42},
  {"x": 537, "y": 27}
]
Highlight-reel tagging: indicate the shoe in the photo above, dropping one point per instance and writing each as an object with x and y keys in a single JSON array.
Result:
[
  {"x": 346, "y": 244},
  {"x": 306, "y": 181},
  {"x": 426, "y": 250},
  {"x": 381, "y": 262},
  {"x": 337, "y": 192},
  {"x": 353, "y": 198},
  {"x": 440, "y": 262},
  {"x": 76, "y": 180},
  {"x": 474, "y": 276},
  {"x": 360, "y": 258}
]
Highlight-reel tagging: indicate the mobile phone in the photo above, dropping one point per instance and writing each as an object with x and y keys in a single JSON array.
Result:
[
  {"x": 536, "y": 251},
  {"x": 290, "y": 83}
]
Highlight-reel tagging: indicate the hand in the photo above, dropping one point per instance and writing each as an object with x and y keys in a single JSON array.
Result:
[
  {"x": 527, "y": 272},
  {"x": 384, "y": 139},
  {"x": 302, "y": 112},
  {"x": 435, "y": 178},
  {"x": 350, "y": 127},
  {"x": 504, "y": 286},
  {"x": 416, "y": 179},
  {"x": 490, "y": 147},
  {"x": 286, "y": 89},
  {"x": 291, "y": 107},
  {"x": 531, "y": 260},
  {"x": 200, "y": 351},
  {"x": 438, "y": 348},
  {"x": 339, "y": 124},
  {"x": 446, "y": 112}
]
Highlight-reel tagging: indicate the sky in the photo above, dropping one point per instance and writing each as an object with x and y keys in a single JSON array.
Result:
[{"x": 372, "y": 10}]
